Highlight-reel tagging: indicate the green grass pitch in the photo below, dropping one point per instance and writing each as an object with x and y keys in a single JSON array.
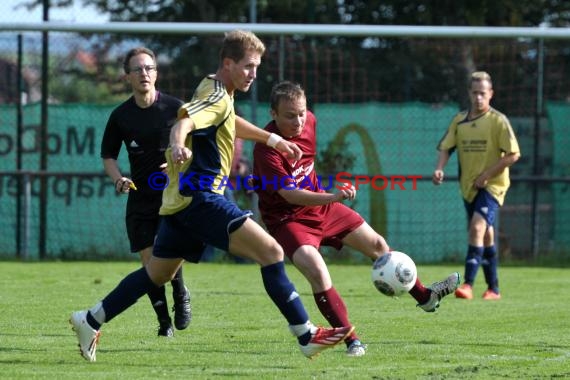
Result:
[{"x": 237, "y": 332}]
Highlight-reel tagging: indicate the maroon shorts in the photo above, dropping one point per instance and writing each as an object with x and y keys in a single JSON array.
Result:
[{"x": 338, "y": 221}]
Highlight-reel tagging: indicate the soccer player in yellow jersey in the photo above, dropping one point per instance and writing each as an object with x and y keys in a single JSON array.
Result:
[
  {"x": 196, "y": 213},
  {"x": 486, "y": 147}
]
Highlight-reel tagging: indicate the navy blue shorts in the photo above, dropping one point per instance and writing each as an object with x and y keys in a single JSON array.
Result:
[
  {"x": 485, "y": 205},
  {"x": 209, "y": 219}
]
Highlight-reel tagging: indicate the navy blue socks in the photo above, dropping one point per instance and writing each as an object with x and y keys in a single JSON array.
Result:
[
  {"x": 282, "y": 292},
  {"x": 489, "y": 264},
  {"x": 126, "y": 294},
  {"x": 472, "y": 262}
]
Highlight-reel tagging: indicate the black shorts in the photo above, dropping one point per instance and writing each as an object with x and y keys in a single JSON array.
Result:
[{"x": 142, "y": 220}]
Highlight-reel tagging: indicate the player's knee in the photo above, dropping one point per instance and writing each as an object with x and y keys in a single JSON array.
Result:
[
  {"x": 489, "y": 236},
  {"x": 378, "y": 248},
  {"x": 160, "y": 279},
  {"x": 267, "y": 254},
  {"x": 319, "y": 279},
  {"x": 477, "y": 229},
  {"x": 275, "y": 251}
]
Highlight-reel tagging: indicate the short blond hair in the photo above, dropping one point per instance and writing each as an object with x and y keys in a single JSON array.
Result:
[
  {"x": 238, "y": 42},
  {"x": 480, "y": 76}
]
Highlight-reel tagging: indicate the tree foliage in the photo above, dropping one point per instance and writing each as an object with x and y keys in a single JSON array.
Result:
[{"x": 407, "y": 69}]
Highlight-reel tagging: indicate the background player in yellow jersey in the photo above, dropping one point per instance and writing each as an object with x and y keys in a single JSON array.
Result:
[
  {"x": 486, "y": 147},
  {"x": 196, "y": 213}
]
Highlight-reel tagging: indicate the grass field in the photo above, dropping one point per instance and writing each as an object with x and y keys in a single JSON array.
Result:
[{"x": 236, "y": 331}]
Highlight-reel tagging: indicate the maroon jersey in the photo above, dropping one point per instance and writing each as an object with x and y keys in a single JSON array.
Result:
[{"x": 273, "y": 171}]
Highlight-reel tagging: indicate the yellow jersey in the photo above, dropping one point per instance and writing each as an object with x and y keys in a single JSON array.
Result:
[
  {"x": 211, "y": 142},
  {"x": 480, "y": 143}
]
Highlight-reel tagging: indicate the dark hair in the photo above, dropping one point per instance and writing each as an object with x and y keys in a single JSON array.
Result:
[
  {"x": 285, "y": 90},
  {"x": 237, "y": 43},
  {"x": 136, "y": 51}
]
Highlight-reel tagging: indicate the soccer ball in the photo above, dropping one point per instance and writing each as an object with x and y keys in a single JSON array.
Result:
[{"x": 394, "y": 273}]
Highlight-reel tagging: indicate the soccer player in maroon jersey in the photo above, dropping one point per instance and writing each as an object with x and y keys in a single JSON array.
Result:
[{"x": 302, "y": 217}]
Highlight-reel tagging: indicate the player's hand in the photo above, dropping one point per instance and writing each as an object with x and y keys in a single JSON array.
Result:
[
  {"x": 291, "y": 150},
  {"x": 437, "y": 177},
  {"x": 251, "y": 183},
  {"x": 347, "y": 192},
  {"x": 480, "y": 182},
  {"x": 164, "y": 168},
  {"x": 180, "y": 154},
  {"x": 123, "y": 185}
]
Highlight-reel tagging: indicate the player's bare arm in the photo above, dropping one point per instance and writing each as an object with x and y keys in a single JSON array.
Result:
[
  {"x": 248, "y": 131},
  {"x": 122, "y": 184},
  {"x": 302, "y": 197},
  {"x": 112, "y": 169},
  {"x": 505, "y": 161},
  {"x": 180, "y": 153},
  {"x": 438, "y": 174}
]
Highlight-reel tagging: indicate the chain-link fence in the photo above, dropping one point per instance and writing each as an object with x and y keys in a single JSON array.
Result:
[{"x": 386, "y": 113}]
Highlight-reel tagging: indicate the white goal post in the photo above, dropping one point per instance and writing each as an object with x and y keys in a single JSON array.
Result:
[{"x": 541, "y": 32}]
